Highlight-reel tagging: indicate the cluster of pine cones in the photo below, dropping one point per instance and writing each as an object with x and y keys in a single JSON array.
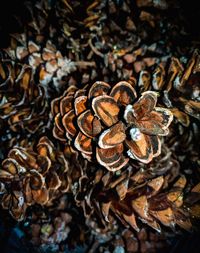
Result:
[{"x": 100, "y": 125}]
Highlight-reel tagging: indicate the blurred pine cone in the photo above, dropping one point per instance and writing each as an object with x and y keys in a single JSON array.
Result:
[
  {"x": 23, "y": 107},
  {"x": 38, "y": 42},
  {"x": 50, "y": 235},
  {"x": 32, "y": 177},
  {"x": 152, "y": 35},
  {"x": 47, "y": 62},
  {"x": 55, "y": 228},
  {"x": 127, "y": 241}
]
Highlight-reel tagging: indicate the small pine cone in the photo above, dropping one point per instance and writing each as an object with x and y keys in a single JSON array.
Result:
[
  {"x": 47, "y": 62},
  {"x": 22, "y": 102},
  {"x": 32, "y": 177},
  {"x": 55, "y": 228},
  {"x": 50, "y": 68},
  {"x": 154, "y": 193},
  {"x": 30, "y": 17},
  {"x": 144, "y": 24},
  {"x": 37, "y": 43},
  {"x": 144, "y": 241},
  {"x": 115, "y": 238},
  {"x": 109, "y": 125},
  {"x": 50, "y": 234},
  {"x": 180, "y": 87}
]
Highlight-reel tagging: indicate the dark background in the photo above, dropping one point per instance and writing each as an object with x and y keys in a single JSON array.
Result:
[{"x": 11, "y": 237}]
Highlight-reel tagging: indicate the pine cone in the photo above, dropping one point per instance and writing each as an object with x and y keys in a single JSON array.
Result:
[
  {"x": 108, "y": 125},
  {"x": 50, "y": 232},
  {"x": 28, "y": 17},
  {"x": 155, "y": 193},
  {"x": 30, "y": 177},
  {"x": 144, "y": 24},
  {"x": 23, "y": 106},
  {"x": 179, "y": 86},
  {"x": 141, "y": 242},
  {"x": 114, "y": 237},
  {"x": 47, "y": 62},
  {"x": 50, "y": 68},
  {"x": 55, "y": 228},
  {"x": 34, "y": 44}
]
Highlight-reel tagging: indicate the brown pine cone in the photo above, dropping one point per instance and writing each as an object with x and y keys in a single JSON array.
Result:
[
  {"x": 50, "y": 235},
  {"x": 109, "y": 124},
  {"x": 141, "y": 242},
  {"x": 27, "y": 17},
  {"x": 46, "y": 60},
  {"x": 153, "y": 194},
  {"x": 115, "y": 238},
  {"x": 38, "y": 42},
  {"x": 49, "y": 231},
  {"x": 151, "y": 35},
  {"x": 51, "y": 68},
  {"x": 23, "y": 106},
  {"x": 22, "y": 102},
  {"x": 55, "y": 228},
  {"x": 32, "y": 177},
  {"x": 179, "y": 87}
]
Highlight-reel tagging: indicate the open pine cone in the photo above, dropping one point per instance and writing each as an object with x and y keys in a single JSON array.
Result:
[
  {"x": 22, "y": 102},
  {"x": 183, "y": 88},
  {"x": 28, "y": 177},
  {"x": 155, "y": 194},
  {"x": 46, "y": 60},
  {"x": 37, "y": 41},
  {"x": 109, "y": 124},
  {"x": 179, "y": 87}
]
